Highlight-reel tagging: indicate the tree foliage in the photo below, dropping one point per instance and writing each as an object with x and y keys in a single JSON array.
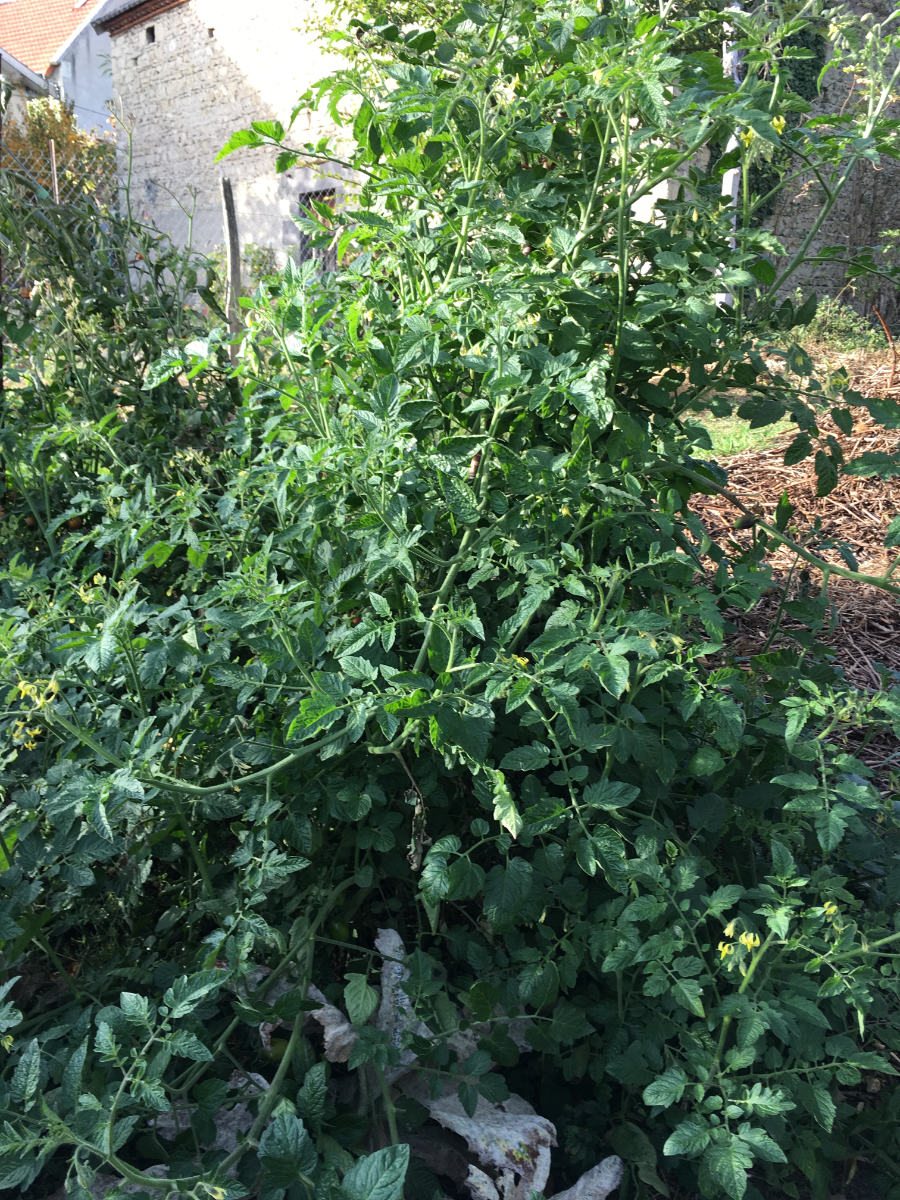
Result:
[{"x": 85, "y": 164}]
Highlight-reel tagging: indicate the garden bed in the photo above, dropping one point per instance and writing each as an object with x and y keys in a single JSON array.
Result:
[{"x": 865, "y": 633}]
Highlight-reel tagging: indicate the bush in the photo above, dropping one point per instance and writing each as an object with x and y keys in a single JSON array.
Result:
[
  {"x": 412, "y": 637},
  {"x": 85, "y": 163},
  {"x": 840, "y": 327}
]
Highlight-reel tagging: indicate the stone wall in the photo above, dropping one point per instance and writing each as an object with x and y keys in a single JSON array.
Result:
[
  {"x": 869, "y": 204},
  {"x": 190, "y": 76},
  {"x": 16, "y": 102},
  {"x": 186, "y": 79}
]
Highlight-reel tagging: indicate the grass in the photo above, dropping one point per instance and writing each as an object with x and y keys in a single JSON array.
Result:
[{"x": 731, "y": 435}]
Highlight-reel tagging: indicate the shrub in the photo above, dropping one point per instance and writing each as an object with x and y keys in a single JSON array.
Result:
[
  {"x": 85, "y": 163},
  {"x": 839, "y": 326}
]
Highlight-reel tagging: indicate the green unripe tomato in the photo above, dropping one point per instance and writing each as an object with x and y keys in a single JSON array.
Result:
[{"x": 277, "y": 1048}]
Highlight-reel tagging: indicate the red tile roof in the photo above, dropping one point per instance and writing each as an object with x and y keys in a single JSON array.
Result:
[{"x": 34, "y": 31}]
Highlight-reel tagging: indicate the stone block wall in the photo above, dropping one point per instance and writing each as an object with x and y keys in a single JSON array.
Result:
[
  {"x": 186, "y": 79},
  {"x": 190, "y": 76},
  {"x": 869, "y": 204}
]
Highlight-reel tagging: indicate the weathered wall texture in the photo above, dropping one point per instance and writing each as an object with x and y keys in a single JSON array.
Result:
[
  {"x": 83, "y": 77},
  {"x": 869, "y": 204},
  {"x": 17, "y": 103},
  {"x": 187, "y": 79}
]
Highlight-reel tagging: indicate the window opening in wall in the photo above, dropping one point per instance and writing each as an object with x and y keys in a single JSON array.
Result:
[
  {"x": 327, "y": 259},
  {"x": 210, "y": 33},
  {"x": 151, "y": 34}
]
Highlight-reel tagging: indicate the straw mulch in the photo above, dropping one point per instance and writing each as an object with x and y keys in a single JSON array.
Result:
[{"x": 866, "y": 629}]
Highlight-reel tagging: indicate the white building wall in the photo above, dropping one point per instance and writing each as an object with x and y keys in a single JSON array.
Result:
[
  {"x": 18, "y": 85},
  {"x": 84, "y": 76},
  {"x": 190, "y": 77}
]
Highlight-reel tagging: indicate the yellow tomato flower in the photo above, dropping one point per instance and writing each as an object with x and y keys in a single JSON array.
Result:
[
  {"x": 6, "y": 1041},
  {"x": 521, "y": 660},
  {"x": 729, "y": 929},
  {"x": 725, "y": 948},
  {"x": 746, "y": 136},
  {"x": 749, "y": 940},
  {"x": 778, "y": 124}
]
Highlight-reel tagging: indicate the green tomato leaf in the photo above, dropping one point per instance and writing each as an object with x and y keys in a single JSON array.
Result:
[
  {"x": 817, "y": 1101},
  {"x": 505, "y": 811},
  {"x": 874, "y": 462},
  {"x": 569, "y": 1023},
  {"x": 610, "y": 795},
  {"x": 27, "y": 1075},
  {"x": 705, "y": 761},
  {"x": 526, "y": 758},
  {"x": 667, "y": 1089},
  {"x": 378, "y": 1176},
  {"x": 689, "y": 994},
  {"x": 761, "y": 1144},
  {"x": 728, "y": 1163},
  {"x": 171, "y": 362},
  {"x": 71, "y": 1079},
  {"x": 187, "y": 992},
  {"x": 286, "y": 1151},
  {"x": 506, "y": 890},
  {"x": 689, "y": 1138},
  {"x": 101, "y": 654},
  {"x": 613, "y": 671},
  {"x": 238, "y": 140},
  {"x": 313, "y": 1095},
  {"x": 360, "y": 998},
  {"x": 188, "y": 1045},
  {"x": 830, "y": 828}
]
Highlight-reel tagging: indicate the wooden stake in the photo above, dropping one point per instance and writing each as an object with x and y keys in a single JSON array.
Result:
[
  {"x": 232, "y": 263},
  {"x": 887, "y": 334},
  {"x": 53, "y": 171}
]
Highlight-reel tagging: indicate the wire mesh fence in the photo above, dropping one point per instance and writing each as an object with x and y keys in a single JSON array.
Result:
[
  {"x": 65, "y": 172},
  {"x": 37, "y": 169},
  {"x": 38, "y": 173}
]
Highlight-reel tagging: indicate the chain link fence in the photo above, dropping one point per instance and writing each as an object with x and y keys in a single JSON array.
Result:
[
  {"x": 34, "y": 170},
  {"x": 37, "y": 171},
  {"x": 65, "y": 173}
]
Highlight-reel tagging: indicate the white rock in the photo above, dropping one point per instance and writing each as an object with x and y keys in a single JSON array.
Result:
[{"x": 598, "y": 1183}]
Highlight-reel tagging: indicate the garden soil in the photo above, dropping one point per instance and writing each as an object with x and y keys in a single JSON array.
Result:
[{"x": 864, "y": 630}]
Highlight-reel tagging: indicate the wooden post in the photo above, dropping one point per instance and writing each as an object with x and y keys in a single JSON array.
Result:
[
  {"x": 731, "y": 180},
  {"x": 232, "y": 263},
  {"x": 53, "y": 175}
]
